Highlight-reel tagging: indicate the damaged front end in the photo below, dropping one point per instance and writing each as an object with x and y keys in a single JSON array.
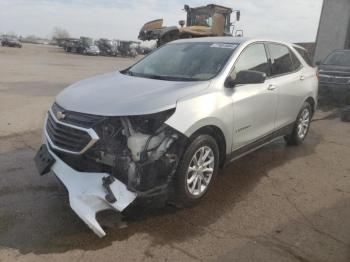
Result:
[{"x": 108, "y": 162}]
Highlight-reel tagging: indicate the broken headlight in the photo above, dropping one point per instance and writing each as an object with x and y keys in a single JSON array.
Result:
[
  {"x": 116, "y": 132},
  {"x": 150, "y": 123}
]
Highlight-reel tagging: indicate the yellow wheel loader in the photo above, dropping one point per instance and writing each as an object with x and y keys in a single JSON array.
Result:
[{"x": 209, "y": 20}]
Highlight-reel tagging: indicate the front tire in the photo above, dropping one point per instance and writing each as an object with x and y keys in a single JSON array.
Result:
[
  {"x": 301, "y": 127},
  {"x": 196, "y": 171}
]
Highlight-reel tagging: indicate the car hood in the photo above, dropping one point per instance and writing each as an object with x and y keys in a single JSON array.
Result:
[{"x": 116, "y": 94}]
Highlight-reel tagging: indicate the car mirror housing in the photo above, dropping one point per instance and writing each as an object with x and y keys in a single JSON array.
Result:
[
  {"x": 318, "y": 63},
  {"x": 245, "y": 77},
  {"x": 230, "y": 82}
]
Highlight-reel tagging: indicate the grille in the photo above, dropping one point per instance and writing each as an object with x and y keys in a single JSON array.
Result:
[
  {"x": 77, "y": 119},
  {"x": 331, "y": 79},
  {"x": 65, "y": 137}
]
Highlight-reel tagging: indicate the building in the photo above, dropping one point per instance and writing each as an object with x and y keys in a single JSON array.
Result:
[
  {"x": 334, "y": 28},
  {"x": 310, "y": 47}
]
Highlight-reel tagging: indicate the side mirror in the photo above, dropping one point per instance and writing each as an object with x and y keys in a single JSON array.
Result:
[
  {"x": 245, "y": 77},
  {"x": 182, "y": 23},
  {"x": 318, "y": 63}
]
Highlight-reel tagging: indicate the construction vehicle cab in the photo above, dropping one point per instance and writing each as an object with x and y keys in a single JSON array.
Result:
[{"x": 209, "y": 20}]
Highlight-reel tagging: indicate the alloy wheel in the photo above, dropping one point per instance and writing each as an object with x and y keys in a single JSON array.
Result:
[
  {"x": 303, "y": 124},
  {"x": 200, "y": 171}
]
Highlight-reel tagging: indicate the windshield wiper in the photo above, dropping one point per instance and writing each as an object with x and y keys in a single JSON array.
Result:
[
  {"x": 170, "y": 78},
  {"x": 127, "y": 72},
  {"x": 161, "y": 77}
]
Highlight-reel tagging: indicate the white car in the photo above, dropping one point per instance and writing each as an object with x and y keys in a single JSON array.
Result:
[{"x": 161, "y": 129}]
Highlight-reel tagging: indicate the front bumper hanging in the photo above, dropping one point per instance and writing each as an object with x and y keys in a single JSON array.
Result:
[{"x": 87, "y": 193}]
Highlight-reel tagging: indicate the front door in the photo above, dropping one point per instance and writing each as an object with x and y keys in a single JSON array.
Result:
[{"x": 254, "y": 105}]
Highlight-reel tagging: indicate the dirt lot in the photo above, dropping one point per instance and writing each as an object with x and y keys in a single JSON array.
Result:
[{"x": 277, "y": 204}]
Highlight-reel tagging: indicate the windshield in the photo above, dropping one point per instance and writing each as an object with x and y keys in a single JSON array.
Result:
[
  {"x": 340, "y": 58},
  {"x": 201, "y": 19},
  {"x": 87, "y": 41},
  {"x": 184, "y": 61}
]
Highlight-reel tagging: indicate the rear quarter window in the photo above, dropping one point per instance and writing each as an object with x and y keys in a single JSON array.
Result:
[
  {"x": 305, "y": 55},
  {"x": 296, "y": 61}
]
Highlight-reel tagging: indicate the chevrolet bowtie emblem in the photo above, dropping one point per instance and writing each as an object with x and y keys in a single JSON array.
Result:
[{"x": 60, "y": 115}]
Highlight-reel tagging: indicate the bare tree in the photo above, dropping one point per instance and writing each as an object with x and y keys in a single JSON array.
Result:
[{"x": 59, "y": 33}]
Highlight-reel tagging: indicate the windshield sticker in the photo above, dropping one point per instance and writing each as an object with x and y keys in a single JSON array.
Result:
[{"x": 223, "y": 45}]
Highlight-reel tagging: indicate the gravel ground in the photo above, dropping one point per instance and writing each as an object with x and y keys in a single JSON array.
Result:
[{"x": 277, "y": 204}]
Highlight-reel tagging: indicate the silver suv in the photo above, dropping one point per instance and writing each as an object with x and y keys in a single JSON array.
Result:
[{"x": 161, "y": 129}]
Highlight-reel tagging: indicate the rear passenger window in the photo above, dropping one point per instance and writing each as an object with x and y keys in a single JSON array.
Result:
[
  {"x": 280, "y": 59},
  {"x": 253, "y": 58}
]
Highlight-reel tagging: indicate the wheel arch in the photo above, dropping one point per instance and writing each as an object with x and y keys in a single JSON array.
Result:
[
  {"x": 312, "y": 102},
  {"x": 215, "y": 132}
]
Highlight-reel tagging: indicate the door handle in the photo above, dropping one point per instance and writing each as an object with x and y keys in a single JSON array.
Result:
[
  {"x": 302, "y": 77},
  {"x": 271, "y": 87}
]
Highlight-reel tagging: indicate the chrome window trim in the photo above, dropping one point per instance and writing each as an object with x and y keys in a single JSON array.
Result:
[
  {"x": 332, "y": 76},
  {"x": 90, "y": 131}
]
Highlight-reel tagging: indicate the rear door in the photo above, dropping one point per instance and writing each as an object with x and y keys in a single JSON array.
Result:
[
  {"x": 254, "y": 105},
  {"x": 288, "y": 77}
]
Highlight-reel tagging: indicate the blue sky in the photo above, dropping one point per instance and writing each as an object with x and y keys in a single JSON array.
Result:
[{"x": 294, "y": 21}]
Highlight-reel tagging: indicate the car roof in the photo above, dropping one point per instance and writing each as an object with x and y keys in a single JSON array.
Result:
[
  {"x": 226, "y": 39},
  {"x": 299, "y": 46},
  {"x": 216, "y": 39}
]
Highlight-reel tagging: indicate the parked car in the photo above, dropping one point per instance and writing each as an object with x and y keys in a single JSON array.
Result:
[
  {"x": 162, "y": 129},
  {"x": 126, "y": 48},
  {"x": 70, "y": 45},
  {"x": 107, "y": 47},
  {"x": 11, "y": 41},
  {"x": 334, "y": 77},
  {"x": 83, "y": 45}
]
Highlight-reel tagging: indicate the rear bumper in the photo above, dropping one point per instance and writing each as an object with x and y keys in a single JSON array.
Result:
[
  {"x": 338, "y": 92},
  {"x": 87, "y": 194}
]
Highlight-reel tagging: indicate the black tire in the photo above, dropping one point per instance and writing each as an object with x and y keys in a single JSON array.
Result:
[
  {"x": 182, "y": 195},
  {"x": 345, "y": 115},
  {"x": 295, "y": 138}
]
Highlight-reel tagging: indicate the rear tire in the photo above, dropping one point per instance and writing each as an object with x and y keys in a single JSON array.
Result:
[
  {"x": 345, "y": 114},
  {"x": 196, "y": 170},
  {"x": 301, "y": 126}
]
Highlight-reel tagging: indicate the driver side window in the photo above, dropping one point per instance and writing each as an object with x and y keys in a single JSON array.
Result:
[{"x": 254, "y": 58}]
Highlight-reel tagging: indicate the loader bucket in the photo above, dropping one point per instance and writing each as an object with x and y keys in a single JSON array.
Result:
[{"x": 155, "y": 24}]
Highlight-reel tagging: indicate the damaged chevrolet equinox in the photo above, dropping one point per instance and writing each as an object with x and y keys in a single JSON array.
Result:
[{"x": 162, "y": 128}]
